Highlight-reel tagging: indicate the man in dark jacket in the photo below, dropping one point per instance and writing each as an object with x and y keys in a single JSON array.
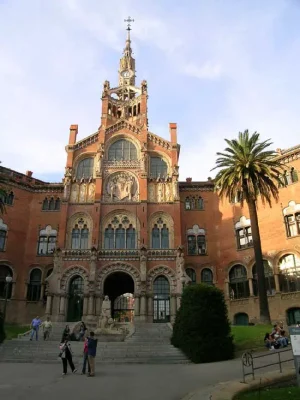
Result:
[{"x": 92, "y": 349}]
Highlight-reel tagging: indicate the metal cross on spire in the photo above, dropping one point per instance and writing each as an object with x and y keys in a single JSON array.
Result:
[{"x": 129, "y": 20}]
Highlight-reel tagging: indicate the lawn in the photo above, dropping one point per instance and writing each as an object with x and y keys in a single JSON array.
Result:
[
  {"x": 250, "y": 337},
  {"x": 289, "y": 393},
  {"x": 13, "y": 330}
]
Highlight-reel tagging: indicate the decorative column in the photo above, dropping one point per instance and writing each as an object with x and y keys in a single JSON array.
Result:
[
  {"x": 173, "y": 307},
  {"x": 62, "y": 307},
  {"x": 277, "y": 284},
  {"x": 226, "y": 284},
  {"x": 251, "y": 286},
  {"x": 150, "y": 307},
  {"x": 91, "y": 306},
  {"x": 136, "y": 305},
  {"x": 85, "y": 304},
  {"x": 99, "y": 299},
  {"x": 143, "y": 307},
  {"x": 49, "y": 305}
]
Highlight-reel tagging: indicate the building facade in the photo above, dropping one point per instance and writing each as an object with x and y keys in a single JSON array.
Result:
[{"x": 121, "y": 224}]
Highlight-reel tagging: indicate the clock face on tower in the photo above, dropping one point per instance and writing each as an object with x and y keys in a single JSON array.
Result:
[{"x": 125, "y": 74}]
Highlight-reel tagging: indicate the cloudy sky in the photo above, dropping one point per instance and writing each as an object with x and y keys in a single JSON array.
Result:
[{"x": 215, "y": 67}]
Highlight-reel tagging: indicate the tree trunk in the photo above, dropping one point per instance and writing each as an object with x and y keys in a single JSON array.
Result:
[{"x": 262, "y": 292}]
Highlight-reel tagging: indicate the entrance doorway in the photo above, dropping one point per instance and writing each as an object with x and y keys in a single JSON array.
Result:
[
  {"x": 75, "y": 304},
  {"x": 293, "y": 316},
  {"x": 119, "y": 287},
  {"x": 241, "y": 319},
  {"x": 161, "y": 298}
]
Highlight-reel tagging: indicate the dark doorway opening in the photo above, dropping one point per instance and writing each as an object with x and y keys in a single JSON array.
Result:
[
  {"x": 293, "y": 316},
  {"x": 119, "y": 287},
  {"x": 75, "y": 304},
  {"x": 161, "y": 300}
]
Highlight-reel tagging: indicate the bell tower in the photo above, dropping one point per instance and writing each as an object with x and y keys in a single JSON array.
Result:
[{"x": 126, "y": 101}]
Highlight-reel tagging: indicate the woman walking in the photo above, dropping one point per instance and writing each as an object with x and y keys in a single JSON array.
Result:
[{"x": 66, "y": 356}]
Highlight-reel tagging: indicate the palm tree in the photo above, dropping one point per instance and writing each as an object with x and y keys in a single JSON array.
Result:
[
  {"x": 250, "y": 171},
  {"x": 3, "y": 194}
]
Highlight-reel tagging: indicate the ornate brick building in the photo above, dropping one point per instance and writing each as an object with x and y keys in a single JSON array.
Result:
[{"x": 120, "y": 224}]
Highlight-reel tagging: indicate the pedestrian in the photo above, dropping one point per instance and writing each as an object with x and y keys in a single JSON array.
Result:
[
  {"x": 35, "y": 326},
  {"x": 47, "y": 328},
  {"x": 85, "y": 358},
  {"x": 92, "y": 349},
  {"x": 82, "y": 331},
  {"x": 66, "y": 333},
  {"x": 66, "y": 356}
]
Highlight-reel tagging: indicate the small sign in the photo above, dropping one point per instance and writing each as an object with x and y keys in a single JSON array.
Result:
[{"x": 295, "y": 342}]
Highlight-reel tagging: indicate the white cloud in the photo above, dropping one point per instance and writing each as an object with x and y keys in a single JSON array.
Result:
[{"x": 206, "y": 71}]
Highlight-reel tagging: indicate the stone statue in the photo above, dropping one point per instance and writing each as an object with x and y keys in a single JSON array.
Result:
[
  {"x": 175, "y": 190},
  {"x": 91, "y": 196},
  {"x": 93, "y": 261},
  {"x": 122, "y": 186},
  {"x": 82, "y": 193},
  {"x": 151, "y": 192},
  {"x": 168, "y": 192},
  {"x": 74, "y": 193},
  {"x": 143, "y": 264},
  {"x": 182, "y": 277},
  {"x": 105, "y": 313},
  {"x": 144, "y": 87},
  {"x": 160, "y": 193},
  {"x": 53, "y": 281}
]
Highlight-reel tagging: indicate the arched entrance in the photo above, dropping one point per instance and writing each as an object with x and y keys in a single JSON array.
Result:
[
  {"x": 75, "y": 304},
  {"x": 119, "y": 287},
  {"x": 241, "y": 319},
  {"x": 293, "y": 316},
  {"x": 161, "y": 299}
]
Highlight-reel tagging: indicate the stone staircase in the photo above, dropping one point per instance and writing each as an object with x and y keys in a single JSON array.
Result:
[{"x": 149, "y": 344}]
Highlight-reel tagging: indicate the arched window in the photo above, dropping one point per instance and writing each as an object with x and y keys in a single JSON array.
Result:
[
  {"x": 238, "y": 282},
  {"x": 122, "y": 150},
  {"x": 51, "y": 204},
  {"x": 3, "y": 235},
  {"x": 85, "y": 168},
  {"x": 158, "y": 167},
  {"x": 199, "y": 203},
  {"x": 47, "y": 241},
  {"x": 207, "y": 276},
  {"x": 45, "y": 206},
  {"x": 57, "y": 204},
  {"x": 269, "y": 278},
  {"x": 289, "y": 177},
  {"x": 196, "y": 241},
  {"x": 35, "y": 285},
  {"x": 294, "y": 175},
  {"x": 160, "y": 235},
  {"x": 80, "y": 236},
  {"x": 9, "y": 198},
  {"x": 4, "y": 272},
  {"x": 289, "y": 266},
  {"x": 187, "y": 203},
  {"x": 120, "y": 234},
  {"x": 191, "y": 273}
]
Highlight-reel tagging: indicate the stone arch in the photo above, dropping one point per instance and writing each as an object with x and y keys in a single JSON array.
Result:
[
  {"x": 70, "y": 273},
  {"x": 252, "y": 263},
  {"x": 120, "y": 213},
  {"x": 167, "y": 219},
  {"x": 236, "y": 262},
  {"x": 8, "y": 264},
  {"x": 165, "y": 271},
  {"x": 72, "y": 222},
  {"x": 126, "y": 136},
  {"x": 119, "y": 267},
  {"x": 281, "y": 254}
]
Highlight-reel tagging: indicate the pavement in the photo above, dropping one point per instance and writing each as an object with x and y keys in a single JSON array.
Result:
[{"x": 118, "y": 382}]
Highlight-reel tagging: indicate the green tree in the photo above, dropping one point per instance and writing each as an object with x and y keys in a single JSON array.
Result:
[
  {"x": 202, "y": 329},
  {"x": 250, "y": 171}
]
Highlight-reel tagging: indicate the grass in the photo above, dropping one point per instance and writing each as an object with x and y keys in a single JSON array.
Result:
[
  {"x": 287, "y": 393},
  {"x": 13, "y": 330},
  {"x": 249, "y": 337}
]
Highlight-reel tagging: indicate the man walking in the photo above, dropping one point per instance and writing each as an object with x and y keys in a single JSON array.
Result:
[
  {"x": 35, "y": 326},
  {"x": 47, "y": 328},
  {"x": 92, "y": 349}
]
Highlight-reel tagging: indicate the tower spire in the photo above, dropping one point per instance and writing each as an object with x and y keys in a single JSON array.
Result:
[{"x": 127, "y": 62}]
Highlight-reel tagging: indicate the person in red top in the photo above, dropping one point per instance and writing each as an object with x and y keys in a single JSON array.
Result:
[{"x": 85, "y": 358}]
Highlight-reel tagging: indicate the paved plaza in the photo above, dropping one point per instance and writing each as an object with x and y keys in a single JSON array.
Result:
[{"x": 118, "y": 382}]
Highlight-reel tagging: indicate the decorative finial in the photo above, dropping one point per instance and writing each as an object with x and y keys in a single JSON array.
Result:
[{"x": 129, "y": 20}]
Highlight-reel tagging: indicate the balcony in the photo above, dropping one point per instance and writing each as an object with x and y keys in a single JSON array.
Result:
[{"x": 118, "y": 254}]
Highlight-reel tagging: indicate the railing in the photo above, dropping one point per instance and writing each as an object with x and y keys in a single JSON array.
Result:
[
  {"x": 119, "y": 253},
  {"x": 248, "y": 362}
]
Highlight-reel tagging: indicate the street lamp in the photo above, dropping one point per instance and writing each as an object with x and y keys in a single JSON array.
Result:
[{"x": 8, "y": 280}]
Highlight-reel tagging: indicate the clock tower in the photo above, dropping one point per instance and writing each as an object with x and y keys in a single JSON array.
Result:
[{"x": 127, "y": 62}]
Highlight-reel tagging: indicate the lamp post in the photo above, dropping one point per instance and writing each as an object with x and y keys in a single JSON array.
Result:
[{"x": 8, "y": 280}]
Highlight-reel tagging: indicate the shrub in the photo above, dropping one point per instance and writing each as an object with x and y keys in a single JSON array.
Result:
[{"x": 202, "y": 329}]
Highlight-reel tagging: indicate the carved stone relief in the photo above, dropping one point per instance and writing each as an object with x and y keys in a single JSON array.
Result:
[
  {"x": 160, "y": 192},
  {"x": 122, "y": 186},
  {"x": 82, "y": 193}
]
